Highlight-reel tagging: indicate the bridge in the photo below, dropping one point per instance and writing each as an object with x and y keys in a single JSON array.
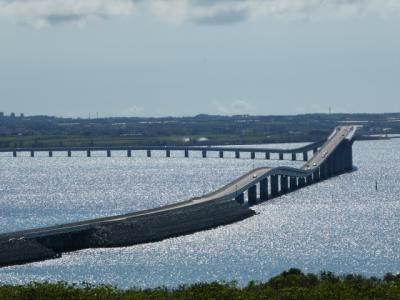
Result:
[
  {"x": 333, "y": 158},
  {"x": 300, "y": 153},
  {"x": 226, "y": 205}
]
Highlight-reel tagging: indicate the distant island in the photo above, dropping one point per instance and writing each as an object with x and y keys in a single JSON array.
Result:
[{"x": 44, "y": 131}]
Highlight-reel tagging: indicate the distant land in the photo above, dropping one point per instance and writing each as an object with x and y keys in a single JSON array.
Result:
[{"x": 42, "y": 131}]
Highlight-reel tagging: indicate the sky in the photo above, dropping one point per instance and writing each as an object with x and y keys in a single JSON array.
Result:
[{"x": 77, "y": 58}]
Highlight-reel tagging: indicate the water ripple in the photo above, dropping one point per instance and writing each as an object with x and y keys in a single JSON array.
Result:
[{"x": 341, "y": 225}]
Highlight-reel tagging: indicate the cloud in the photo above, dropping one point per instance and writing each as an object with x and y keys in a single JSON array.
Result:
[
  {"x": 42, "y": 13},
  {"x": 237, "y": 107}
]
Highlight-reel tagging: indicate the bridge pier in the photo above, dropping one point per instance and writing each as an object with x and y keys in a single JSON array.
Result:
[
  {"x": 167, "y": 153},
  {"x": 129, "y": 153},
  {"x": 327, "y": 169},
  {"x": 349, "y": 164},
  {"x": 339, "y": 159},
  {"x": 335, "y": 163},
  {"x": 69, "y": 153},
  {"x": 240, "y": 198},
  {"x": 330, "y": 163},
  {"x": 284, "y": 184},
  {"x": 347, "y": 149},
  {"x": 14, "y": 153},
  {"x": 253, "y": 155},
  {"x": 349, "y": 152},
  {"x": 309, "y": 180},
  {"x": 108, "y": 153},
  {"x": 221, "y": 154},
  {"x": 204, "y": 153},
  {"x": 293, "y": 183},
  {"x": 252, "y": 195},
  {"x": 32, "y": 153},
  {"x": 264, "y": 189},
  {"x": 305, "y": 156},
  {"x": 50, "y": 153},
  {"x": 148, "y": 153},
  {"x": 316, "y": 175},
  {"x": 294, "y": 156},
  {"x": 323, "y": 171},
  {"x": 267, "y": 155},
  {"x": 301, "y": 182},
  {"x": 88, "y": 153},
  {"x": 186, "y": 153},
  {"x": 280, "y": 156},
  {"x": 315, "y": 150},
  {"x": 343, "y": 159},
  {"x": 274, "y": 186}
]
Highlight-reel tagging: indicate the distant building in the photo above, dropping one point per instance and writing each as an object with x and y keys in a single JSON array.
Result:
[
  {"x": 1, "y": 114},
  {"x": 12, "y": 115},
  {"x": 22, "y": 115}
]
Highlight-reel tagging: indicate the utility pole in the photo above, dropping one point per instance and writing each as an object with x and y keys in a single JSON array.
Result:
[{"x": 376, "y": 185}]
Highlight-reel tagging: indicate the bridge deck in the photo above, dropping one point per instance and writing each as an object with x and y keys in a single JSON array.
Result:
[{"x": 307, "y": 147}]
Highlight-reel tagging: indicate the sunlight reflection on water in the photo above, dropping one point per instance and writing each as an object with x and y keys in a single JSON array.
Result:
[{"x": 341, "y": 225}]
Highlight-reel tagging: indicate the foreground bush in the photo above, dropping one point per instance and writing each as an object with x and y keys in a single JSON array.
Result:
[{"x": 292, "y": 284}]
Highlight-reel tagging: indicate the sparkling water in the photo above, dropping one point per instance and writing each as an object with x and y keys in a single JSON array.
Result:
[{"x": 341, "y": 225}]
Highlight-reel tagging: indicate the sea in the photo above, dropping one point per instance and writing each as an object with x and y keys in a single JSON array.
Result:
[{"x": 342, "y": 225}]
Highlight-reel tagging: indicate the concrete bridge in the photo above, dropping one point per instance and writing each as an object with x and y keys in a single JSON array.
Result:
[
  {"x": 300, "y": 153},
  {"x": 333, "y": 158},
  {"x": 226, "y": 205}
]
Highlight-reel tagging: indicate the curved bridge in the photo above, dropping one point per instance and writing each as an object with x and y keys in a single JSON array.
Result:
[
  {"x": 333, "y": 158},
  {"x": 226, "y": 205}
]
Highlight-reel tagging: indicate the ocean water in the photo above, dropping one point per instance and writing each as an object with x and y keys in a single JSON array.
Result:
[{"x": 341, "y": 225}]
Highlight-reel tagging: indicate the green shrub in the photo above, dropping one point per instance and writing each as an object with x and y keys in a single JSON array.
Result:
[{"x": 291, "y": 284}]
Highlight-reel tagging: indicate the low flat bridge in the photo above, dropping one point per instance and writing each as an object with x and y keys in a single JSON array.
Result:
[
  {"x": 300, "y": 153},
  {"x": 226, "y": 205}
]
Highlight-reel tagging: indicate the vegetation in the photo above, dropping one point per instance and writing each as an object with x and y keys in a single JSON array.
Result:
[{"x": 292, "y": 284}]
